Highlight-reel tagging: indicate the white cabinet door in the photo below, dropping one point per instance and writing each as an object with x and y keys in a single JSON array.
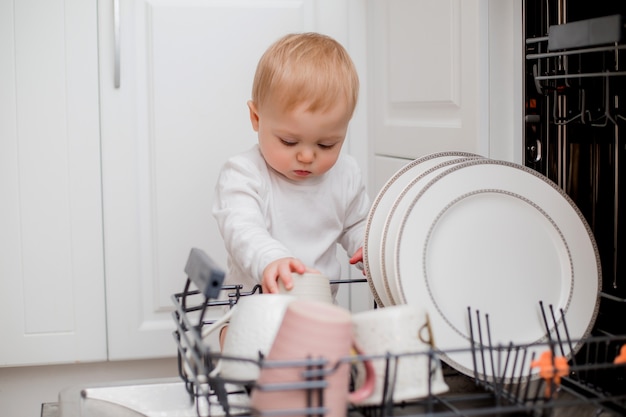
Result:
[
  {"x": 428, "y": 76},
  {"x": 179, "y": 111},
  {"x": 51, "y": 261},
  {"x": 444, "y": 75}
]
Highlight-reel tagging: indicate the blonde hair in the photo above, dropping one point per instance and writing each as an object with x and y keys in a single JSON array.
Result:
[{"x": 306, "y": 68}]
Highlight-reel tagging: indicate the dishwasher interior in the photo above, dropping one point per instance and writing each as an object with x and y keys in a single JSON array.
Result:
[
  {"x": 574, "y": 126},
  {"x": 574, "y": 118}
]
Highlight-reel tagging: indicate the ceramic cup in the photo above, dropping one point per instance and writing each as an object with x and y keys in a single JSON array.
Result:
[
  {"x": 252, "y": 326},
  {"x": 310, "y": 286},
  {"x": 403, "y": 331},
  {"x": 313, "y": 330}
]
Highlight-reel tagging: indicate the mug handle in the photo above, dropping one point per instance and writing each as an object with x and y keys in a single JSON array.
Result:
[
  {"x": 367, "y": 389},
  {"x": 217, "y": 324},
  {"x": 429, "y": 340}
]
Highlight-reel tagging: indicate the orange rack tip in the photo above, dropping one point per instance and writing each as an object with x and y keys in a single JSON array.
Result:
[
  {"x": 621, "y": 358},
  {"x": 551, "y": 369}
]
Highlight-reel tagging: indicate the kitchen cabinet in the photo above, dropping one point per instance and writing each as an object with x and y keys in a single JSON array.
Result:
[
  {"x": 443, "y": 76},
  {"x": 426, "y": 89},
  {"x": 51, "y": 265},
  {"x": 178, "y": 112},
  {"x": 116, "y": 117}
]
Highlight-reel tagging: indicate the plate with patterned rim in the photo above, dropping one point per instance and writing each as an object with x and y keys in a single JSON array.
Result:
[
  {"x": 394, "y": 217},
  {"x": 497, "y": 239},
  {"x": 378, "y": 213}
]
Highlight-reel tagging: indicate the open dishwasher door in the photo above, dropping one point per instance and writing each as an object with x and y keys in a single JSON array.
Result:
[{"x": 165, "y": 397}]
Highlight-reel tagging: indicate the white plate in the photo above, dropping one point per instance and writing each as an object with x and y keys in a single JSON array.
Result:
[
  {"x": 378, "y": 213},
  {"x": 497, "y": 238},
  {"x": 429, "y": 170}
]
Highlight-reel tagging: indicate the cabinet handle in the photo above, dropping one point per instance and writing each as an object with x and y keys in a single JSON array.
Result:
[{"x": 116, "y": 38}]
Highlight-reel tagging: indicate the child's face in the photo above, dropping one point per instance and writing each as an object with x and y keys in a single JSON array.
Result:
[{"x": 300, "y": 144}]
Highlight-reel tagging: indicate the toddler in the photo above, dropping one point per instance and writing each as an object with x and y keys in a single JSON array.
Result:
[{"x": 283, "y": 205}]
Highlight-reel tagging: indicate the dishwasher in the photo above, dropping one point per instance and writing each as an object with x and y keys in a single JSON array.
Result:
[{"x": 499, "y": 385}]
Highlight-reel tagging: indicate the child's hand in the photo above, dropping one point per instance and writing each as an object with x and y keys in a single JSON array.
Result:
[
  {"x": 281, "y": 269},
  {"x": 357, "y": 259}
]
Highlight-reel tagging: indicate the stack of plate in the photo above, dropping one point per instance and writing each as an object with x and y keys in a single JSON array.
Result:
[{"x": 467, "y": 236}]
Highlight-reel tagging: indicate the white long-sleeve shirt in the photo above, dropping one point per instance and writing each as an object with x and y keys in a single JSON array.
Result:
[{"x": 264, "y": 216}]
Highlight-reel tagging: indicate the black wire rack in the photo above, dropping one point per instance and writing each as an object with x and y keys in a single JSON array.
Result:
[{"x": 589, "y": 382}]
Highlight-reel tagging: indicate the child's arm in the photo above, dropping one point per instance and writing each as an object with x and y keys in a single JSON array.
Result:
[
  {"x": 238, "y": 209},
  {"x": 281, "y": 269}
]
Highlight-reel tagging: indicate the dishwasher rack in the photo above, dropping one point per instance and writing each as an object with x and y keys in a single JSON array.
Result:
[{"x": 593, "y": 379}]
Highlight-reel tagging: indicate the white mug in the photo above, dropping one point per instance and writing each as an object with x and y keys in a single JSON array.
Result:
[
  {"x": 404, "y": 332},
  {"x": 312, "y": 286},
  {"x": 252, "y": 326}
]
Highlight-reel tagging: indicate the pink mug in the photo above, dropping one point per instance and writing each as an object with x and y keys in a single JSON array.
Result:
[{"x": 311, "y": 330}]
